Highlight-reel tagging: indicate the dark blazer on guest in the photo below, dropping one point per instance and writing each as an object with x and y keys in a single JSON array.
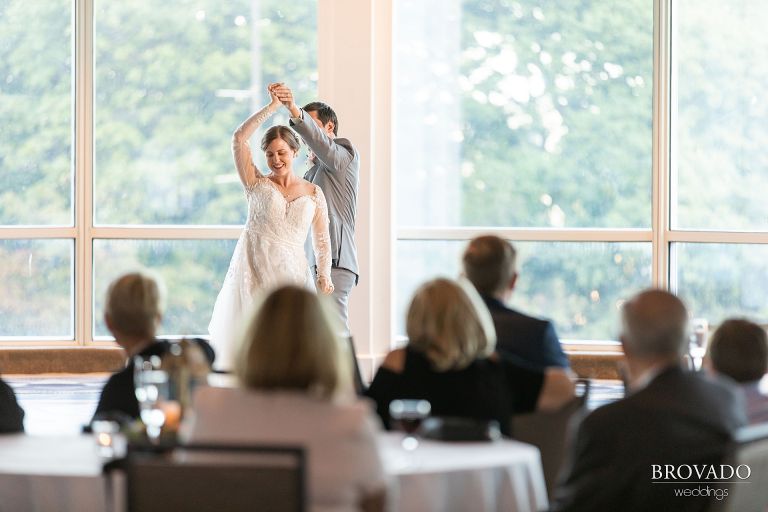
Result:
[
  {"x": 680, "y": 417},
  {"x": 528, "y": 340},
  {"x": 118, "y": 396},
  {"x": 11, "y": 413}
]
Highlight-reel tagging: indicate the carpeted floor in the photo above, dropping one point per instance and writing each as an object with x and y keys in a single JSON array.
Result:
[{"x": 63, "y": 403}]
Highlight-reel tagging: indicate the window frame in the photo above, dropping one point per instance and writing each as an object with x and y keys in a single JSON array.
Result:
[{"x": 363, "y": 98}]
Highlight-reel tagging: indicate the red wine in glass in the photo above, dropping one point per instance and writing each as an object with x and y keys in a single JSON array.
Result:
[
  {"x": 409, "y": 425},
  {"x": 407, "y": 415}
]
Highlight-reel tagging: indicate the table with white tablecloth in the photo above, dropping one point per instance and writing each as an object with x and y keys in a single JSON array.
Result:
[
  {"x": 64, "y": 473},
  {"x": 42, "y": 473},
  {"x": 442, "y": 476}
]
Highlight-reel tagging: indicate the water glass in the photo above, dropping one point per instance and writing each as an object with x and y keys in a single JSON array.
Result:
[
  {"x": 697, "y": 346},
  {"x": 152, "y": 389}
]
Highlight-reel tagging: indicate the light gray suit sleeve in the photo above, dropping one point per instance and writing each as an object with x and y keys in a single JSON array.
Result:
[{"x": 335, "y": 156}]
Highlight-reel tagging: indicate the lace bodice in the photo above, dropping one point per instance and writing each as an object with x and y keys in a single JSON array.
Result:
[{"x": 271, "y": 216}]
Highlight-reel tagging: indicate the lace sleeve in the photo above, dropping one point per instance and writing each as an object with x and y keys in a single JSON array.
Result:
[
  {"x": 241, "y": 149},
  {"x": 321, "y": 238}
]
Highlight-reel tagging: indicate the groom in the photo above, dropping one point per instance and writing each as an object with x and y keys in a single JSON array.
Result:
[{"x": 336, "y": 170}]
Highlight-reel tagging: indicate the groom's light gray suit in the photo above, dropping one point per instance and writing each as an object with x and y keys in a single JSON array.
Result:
[{"x": 336, "y": 171}]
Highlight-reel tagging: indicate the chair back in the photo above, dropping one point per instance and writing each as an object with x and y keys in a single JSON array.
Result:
[
  {"x": 360, "y": 386},
  {"x": 750, "y": 448},
  {"x": 202, "y": 478},
  {"x": 552, "y": 432}
]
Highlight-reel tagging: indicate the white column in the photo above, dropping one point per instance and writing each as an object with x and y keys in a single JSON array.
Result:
[{"x": 354, "y": 39}]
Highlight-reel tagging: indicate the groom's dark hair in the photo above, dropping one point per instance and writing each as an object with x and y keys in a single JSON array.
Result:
[{"x": 324, "y": 113}]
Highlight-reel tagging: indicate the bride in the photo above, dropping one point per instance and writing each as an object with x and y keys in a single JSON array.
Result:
[{"x": 270, "y": 252}]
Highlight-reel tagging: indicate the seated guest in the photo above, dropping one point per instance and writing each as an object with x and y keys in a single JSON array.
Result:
[
  {"x": 489, "y": 263},
  {"x": 132, "y": 313},
  {"x": 296, "y": 389},
  {"x": 670, "y": 417},
  {"x": 739, "y": 350},
  {"x": 11, "y": 413},
  {"x": 447, "y": 363}
]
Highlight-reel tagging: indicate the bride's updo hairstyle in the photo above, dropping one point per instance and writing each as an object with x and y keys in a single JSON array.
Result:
[{"x": 283, "y": 132}]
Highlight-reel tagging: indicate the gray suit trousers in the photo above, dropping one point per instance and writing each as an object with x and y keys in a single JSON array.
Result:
[{"x": 343, "y": 281}]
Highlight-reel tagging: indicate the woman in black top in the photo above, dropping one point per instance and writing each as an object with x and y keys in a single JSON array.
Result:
[{"x": 449, "y": 361}]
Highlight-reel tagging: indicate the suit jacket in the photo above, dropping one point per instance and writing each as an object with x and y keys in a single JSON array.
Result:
[
  {"x": 11, "y": 413},
  {"x": 680, "y": 417},
  {"x": 118, "y": 397},
  {"x": 528, "y": 340},
  {"x": 337, "y": 172}
]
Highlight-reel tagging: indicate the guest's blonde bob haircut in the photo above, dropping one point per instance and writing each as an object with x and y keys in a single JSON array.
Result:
[
  {"x": 134, "y": 304},
  {"x": 448, "y": 322},
  {"x": 290, "y": 343}
]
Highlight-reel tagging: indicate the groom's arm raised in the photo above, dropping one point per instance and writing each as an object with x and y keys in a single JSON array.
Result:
[{"x": 336, "y": 154}]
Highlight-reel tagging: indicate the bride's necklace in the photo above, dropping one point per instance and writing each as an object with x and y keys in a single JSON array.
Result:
[{"x": 283, "y": 189}]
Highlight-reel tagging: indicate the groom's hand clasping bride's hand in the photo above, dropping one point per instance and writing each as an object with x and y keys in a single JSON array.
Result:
[
  {"x": 274, "y": 102},
  {"x": 324, "y": 285},
  {"x": 285, "y": 95}
]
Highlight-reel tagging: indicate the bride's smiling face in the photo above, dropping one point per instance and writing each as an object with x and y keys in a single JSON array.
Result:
[{"x": 280, "y": 157}]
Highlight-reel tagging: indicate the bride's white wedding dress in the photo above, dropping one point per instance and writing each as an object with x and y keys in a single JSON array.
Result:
[{"x": 269, "y": 253}]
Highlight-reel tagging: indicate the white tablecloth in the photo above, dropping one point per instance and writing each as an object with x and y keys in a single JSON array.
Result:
[
  {"x": 437, "y": 476},
  {"x": 40, "y": 474}
]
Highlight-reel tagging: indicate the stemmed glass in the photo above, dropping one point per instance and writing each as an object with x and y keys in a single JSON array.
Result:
[
  {"x": 407, "y": 416},
  {"x": 151, "y": 386},
  {"x": 697, "y": 347}
]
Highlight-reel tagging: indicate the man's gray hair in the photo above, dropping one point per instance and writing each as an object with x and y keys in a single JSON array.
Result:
[{"x": 654, "y": 323}]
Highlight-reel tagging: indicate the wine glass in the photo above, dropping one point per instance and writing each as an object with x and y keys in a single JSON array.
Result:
[
  {"x": 697, "y": 346},
  {"x": 407, "y": 416},
  {"x": 151, "y": 387}
]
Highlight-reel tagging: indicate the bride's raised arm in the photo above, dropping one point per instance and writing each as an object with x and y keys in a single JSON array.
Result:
[
  {"x": 241, "y": 149},
  {"x": 321, "y": 243}
]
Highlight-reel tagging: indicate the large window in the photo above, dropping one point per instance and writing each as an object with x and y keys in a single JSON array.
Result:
[
  {"x": 115, "y": 129},
  {"x": 528, "y": 115},
  {"x": 540, "y": 121},
  {"x": 618, "y": 143}
]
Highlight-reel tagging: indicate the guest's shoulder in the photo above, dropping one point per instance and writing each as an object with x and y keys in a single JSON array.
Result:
[
  {"x": 122, "y": 377},
  {"x": 610, "y": 417},
  {"x": 501, "y": 311},
  {"x": 395, "y": 360}
]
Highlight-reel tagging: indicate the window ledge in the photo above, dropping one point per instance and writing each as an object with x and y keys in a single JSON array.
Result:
[{"x": 35, "y": 360}]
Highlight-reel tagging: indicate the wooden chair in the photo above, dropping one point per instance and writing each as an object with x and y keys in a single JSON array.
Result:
[
  {"x": 552, "y": 432},
  {"x": 202, "y": 478},
  {"x": 360, "y": 386},
  {"x": 750, "y": 448}
]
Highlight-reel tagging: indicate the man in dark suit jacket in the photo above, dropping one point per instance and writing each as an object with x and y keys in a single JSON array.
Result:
[
  {"x": 671, "y": 417},
  {"x": 489, "y": 263},
  {"x": 336, "y": 170},
  {"x": 11, "y": 413}
]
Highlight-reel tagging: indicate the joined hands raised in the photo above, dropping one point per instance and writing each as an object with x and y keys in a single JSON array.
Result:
[{"x": 282, "y": 93}]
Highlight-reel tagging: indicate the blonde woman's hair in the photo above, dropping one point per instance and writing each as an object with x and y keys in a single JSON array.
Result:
[
  {"x": 134, "y": 304},
  {"x": 448, "y": 326},
  {"x": 291, "y": 343}
]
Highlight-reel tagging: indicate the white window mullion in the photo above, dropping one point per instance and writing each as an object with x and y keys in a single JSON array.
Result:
[
  {"x": 83, "y": 170},
  {"x": 662, "y": 26}
]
